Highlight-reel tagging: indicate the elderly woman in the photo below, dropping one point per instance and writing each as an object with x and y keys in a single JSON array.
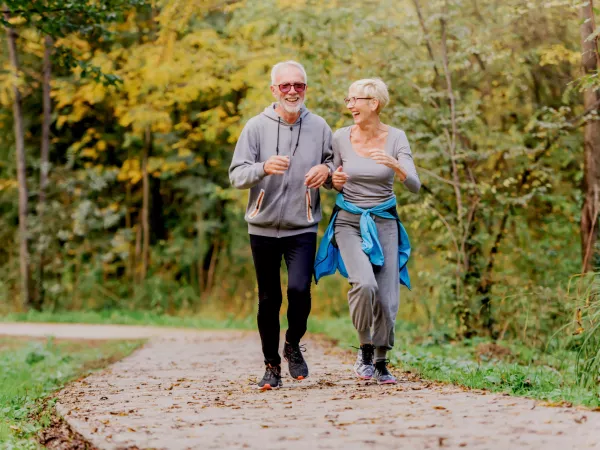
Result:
[{"x": 365, "y": 239}]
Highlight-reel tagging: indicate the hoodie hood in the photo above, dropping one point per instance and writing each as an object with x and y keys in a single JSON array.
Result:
[{"x": 271, "y": 114}]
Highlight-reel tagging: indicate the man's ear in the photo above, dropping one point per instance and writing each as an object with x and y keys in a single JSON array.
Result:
[{"x": 274, "y": 91}]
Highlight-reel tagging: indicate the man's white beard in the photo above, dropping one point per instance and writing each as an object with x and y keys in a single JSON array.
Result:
[{"x": 290, "y": 109}]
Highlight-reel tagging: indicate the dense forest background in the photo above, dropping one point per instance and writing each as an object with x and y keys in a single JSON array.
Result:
[{"x": 118, "y": 121}]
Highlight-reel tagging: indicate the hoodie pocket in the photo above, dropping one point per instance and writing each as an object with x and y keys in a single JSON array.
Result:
[
  {"x": 309, "y": 214},
  {"x": 256, "y": 209}
]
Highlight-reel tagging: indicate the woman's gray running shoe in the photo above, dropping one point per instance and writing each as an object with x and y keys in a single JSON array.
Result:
[
  {"x": 271, "y": 379},
  {"x": 363, "y": 367},
  {"x": 382, "y": 374},
  {"x": 293, "y": 355}
]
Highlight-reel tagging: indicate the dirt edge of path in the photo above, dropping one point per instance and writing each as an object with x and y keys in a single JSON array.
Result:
[{"x": 59, "y": 435}]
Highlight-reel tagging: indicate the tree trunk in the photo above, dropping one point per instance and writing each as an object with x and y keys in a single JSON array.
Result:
[
  {"x": 44, "y": 159},
  {"x": 591, "y": 158},
  {"x": 47, "y": 105},
  {"x": 210, "y": 275},
  {"x": 21, "y": 175},
  {"x": 200, "y": 262},
  {"x": 426, "y": 38},
  {"x": 146, "y": 203},
  {"x": 130, "y": 275},
  {"x": 138, "y": 250}
]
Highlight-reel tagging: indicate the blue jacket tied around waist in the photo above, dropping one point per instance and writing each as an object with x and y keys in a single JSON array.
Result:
[{"x": 329, "y": 258}]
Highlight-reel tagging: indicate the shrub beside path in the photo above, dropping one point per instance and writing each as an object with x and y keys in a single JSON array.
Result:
[{"x": 194, "y": 389}]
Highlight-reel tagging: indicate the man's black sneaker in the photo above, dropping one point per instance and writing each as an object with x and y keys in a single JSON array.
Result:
[
  {"x": 293, "y": 355},
  {"x": 382, "y": 374},
  {"x": 271, "y": 379}
]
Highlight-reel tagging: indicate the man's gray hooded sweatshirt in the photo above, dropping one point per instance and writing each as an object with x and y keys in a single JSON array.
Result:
[{"x": 281, "y": 205}]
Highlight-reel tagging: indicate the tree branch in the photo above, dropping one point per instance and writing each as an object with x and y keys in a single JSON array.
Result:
[{"x": 452, "y": 139}]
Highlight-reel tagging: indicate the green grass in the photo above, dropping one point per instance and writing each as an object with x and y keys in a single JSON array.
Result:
[
  {"x": 126, "y": 317},
  {"x": 517, "y": 370},
  {"x": 508, "y": 368},
  {"x": 32, "y": 370}
]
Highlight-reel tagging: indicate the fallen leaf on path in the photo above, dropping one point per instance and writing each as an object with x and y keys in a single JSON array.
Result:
[
  {"x": 439, "y": 407},
  {"x": 559, "y": 404},
  {"x": 581, "y": 419},
  {"x": 422, "y": 427}
]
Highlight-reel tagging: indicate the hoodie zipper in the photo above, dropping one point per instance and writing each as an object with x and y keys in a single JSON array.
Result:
[{"x": 285, "y": 181}]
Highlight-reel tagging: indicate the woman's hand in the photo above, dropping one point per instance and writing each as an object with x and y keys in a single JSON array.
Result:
[
  {"x": 339, "y": 178},
  {"x": 381, "y": 157}
]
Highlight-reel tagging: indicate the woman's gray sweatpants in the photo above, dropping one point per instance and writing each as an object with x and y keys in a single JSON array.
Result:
[{"x": 375, "y": 294}]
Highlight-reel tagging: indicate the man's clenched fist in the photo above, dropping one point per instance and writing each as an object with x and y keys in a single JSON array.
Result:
[{"x": 277, "y": 165}]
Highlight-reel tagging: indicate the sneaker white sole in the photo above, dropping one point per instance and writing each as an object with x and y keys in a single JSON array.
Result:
[{"x": 362, "y": 377}]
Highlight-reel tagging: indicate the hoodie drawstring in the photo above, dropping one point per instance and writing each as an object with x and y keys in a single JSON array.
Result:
[
  {"x": 297, "y": 140},
  {"x": 278, "y": 125}
]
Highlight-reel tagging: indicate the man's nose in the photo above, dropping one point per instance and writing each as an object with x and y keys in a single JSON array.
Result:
[{"x": 293, "y": 89}]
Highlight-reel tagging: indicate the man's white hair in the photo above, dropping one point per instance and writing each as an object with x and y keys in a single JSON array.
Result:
[
  {"x": 373, "y": 87},
  {"x": 277, "y": 67}
]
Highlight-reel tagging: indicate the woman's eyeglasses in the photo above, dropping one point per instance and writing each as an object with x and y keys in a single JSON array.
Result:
[
  {"x": 287, "y": 87},
  {"x": 351, "y": 101}
]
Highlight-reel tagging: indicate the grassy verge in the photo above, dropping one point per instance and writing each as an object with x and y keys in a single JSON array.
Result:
[
  {"x": 126, "y": 317},
  {"x": 480, "y": 364},
  {"x": 31, "y": 370}
]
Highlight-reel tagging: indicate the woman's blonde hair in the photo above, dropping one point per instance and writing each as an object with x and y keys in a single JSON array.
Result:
[{"x": 373, "y": 87}]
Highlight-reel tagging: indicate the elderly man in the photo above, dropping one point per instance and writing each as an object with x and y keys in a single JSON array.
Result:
[{"x": 283, "y": 156}]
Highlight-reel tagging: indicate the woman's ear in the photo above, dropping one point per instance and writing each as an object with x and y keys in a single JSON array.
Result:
[{"x": 374, "y": 104}]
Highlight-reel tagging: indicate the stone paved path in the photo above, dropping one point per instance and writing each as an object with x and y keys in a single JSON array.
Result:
[{"x": 194, "y": 390}]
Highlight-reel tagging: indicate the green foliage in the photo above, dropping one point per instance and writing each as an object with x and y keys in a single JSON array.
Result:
[
  {"x": 61, "y": 18},
  {"x": 585, "y": 330},
  {"x": 494, "y": 229}
]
